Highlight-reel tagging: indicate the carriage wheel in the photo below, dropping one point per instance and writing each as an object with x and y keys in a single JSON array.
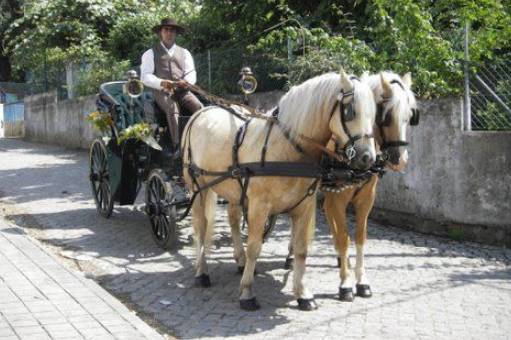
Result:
[
  {"x": 161, "y": 214},
  {"x": 99, "y": 179}
]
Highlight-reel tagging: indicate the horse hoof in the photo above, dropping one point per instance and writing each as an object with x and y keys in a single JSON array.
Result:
[
  {"x": 346, "y": 294},
  {"x": 307, "y": 304},
  {"x": 202, "y": 281},
  {"x": 249, "y": 304},
  {"x": 289, "y": 263},
  {"x": 364, "y": 291}
]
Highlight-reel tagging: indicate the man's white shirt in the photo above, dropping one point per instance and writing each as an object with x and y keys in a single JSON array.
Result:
[{"x": 147, "y": 68}]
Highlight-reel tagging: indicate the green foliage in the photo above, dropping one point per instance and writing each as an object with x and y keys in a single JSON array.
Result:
[
  {"x": 101, "y": 121},
  {"x": 131, "y": 35},
  {"x": 487, "y": 114},
  {"x": 139, "y": 131},
  {"x": 314, "y": 52},
  {"x": 492, "y": 117},
  {"x": 405, "y": 40},
  {"x": 424, "y": 37},
  {"x": 101, "y": 70},
  {"x": 58, "y": 31},
  {"x": 53, "y": 34},
  {"x": 284, "y": 41}
]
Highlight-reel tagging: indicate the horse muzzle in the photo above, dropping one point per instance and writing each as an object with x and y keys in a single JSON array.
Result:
[{"x": 363, "y": 160}]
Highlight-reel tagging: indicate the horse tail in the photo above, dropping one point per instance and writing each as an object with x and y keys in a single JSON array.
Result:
[{"x": 209, "y": 205}]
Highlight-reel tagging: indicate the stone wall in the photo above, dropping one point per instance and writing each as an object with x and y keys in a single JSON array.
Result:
[
  {"x": 457, "y": 183},
  {"x": 59, "y": 122}
]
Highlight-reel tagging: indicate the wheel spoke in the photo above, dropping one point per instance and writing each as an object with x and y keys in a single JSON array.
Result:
[
  {"x": 153, "y": 192},
  {"x": 157, "y": 188},
  {"x": 104, "y": 202},
  {"x": 163, "y": 192},
  {"x": 97, "y": 185},
  {"x": 99, "y": 196},
  {"x": 165, "y": 226},
  {"x": 96, "y": 154},
  {"x": 106, "y": 193},
  {"x": 158, "y": 227},
  {"x": 103, "y": 161},
  {"x": 154, "y": 224}
]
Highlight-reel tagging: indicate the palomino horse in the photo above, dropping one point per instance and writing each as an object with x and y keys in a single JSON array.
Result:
[
  {"x": 396, "y": 108},
  {"x": 308, "y": 116}
]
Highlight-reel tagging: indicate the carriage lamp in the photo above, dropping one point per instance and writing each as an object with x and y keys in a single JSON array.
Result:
[
  {"x": 133, "y": 86},
  {"x": 247, "y": 82}
]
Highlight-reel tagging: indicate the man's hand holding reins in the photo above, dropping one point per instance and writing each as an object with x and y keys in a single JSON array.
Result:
[{"x": 169, "y": 85}]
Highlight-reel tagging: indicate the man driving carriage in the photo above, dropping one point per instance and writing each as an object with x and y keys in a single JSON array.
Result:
[{"x": 169, "y": 70}]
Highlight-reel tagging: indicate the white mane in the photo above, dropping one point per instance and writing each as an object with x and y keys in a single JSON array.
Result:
[{"x": 306, "y": 108}]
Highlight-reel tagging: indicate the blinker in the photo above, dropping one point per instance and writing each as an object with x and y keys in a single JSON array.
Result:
[
  {"x": 349, "y": 113},
  {"x": 414, "y": 121}
]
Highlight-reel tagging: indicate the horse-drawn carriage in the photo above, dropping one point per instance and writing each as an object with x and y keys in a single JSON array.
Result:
[{"x": 135, "y": 149}]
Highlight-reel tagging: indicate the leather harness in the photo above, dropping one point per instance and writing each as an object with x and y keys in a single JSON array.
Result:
[{"x": 243, "y": 172}]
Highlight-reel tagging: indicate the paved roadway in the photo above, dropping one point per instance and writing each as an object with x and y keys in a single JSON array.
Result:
[{"x": 424, "y": 287}]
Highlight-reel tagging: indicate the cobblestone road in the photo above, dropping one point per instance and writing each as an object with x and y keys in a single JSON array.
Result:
[{"x": 424, "y": 287}]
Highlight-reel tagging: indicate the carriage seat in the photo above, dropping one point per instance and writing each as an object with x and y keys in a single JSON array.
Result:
[{"x": 126, "y": 111}]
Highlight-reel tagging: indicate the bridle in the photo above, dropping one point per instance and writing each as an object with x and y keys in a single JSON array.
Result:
[
  {"x": 347, "y": 114},
  {"x": 384, "y": 119}
]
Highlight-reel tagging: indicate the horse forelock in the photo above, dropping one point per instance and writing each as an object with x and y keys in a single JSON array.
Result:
[
  {"x": 402, "y": 98},
  {"x": 364, "y": 104}
]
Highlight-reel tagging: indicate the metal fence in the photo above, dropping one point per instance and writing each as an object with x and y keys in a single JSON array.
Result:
[
  {"x": 487, "y": 92},
  {"x": 490, "y": 96},
  {"x": 219, "y": 70}
]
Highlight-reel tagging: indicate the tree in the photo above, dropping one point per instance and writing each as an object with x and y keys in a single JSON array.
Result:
[
  {"x": 57, "y": 32},
  {"x": 132, "y": 34},
  {"x": 10, "y": 10}
]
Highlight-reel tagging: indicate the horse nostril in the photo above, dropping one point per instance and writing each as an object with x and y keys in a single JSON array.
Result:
[
  {"x": 367, "y": 159},
  {"x": 394, "y": 156}
]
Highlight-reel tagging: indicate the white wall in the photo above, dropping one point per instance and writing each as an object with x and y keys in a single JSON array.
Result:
[{"x": 2, "y": 123}]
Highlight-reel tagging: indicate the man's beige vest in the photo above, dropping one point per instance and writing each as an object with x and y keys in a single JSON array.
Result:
[{"x": 167, "y": 67}]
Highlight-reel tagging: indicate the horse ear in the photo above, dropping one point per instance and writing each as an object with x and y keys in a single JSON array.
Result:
[
  {"x": 346, "y": 83},
  {"x": 387, "y": 88},
  {"x": 407, "y": 79}
]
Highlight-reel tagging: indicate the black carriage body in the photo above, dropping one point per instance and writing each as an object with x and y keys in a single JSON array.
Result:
[
  {"x": 118, "y": 168},
  {"x": 131, "y": 161}
]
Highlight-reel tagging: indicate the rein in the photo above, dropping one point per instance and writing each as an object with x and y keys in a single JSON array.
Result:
[{"x": 272, "y": 120}]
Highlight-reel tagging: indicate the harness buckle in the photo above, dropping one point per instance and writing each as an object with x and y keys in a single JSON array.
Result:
[
  {"x": 194, "y": 171},
  {"x": 236, "y": 172},
  {"x": 350, "y": 152},
  {"x": 385, "y": 155}
]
